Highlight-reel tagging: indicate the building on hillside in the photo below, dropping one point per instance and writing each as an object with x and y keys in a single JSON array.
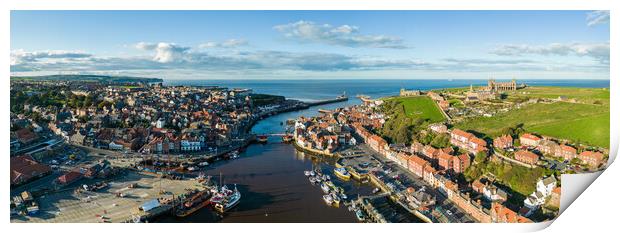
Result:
[
  {"x": 501, "y": 214},
  {"x": 438, "y": 128},
  {"x": 445, "y": 161},
  {"x": 417, "y": 165},
  {"x": 526, "y": 157},
  {"x": 404, "y": 92},
  {"x": 565, "y": 151},
  {"x": 460, "y": 163},
  {"x": 547, "y": 147},
  {"x": 527, "y": 139},
  {"x": 544, "y": 188},
  {"x": 467, "y": 141},
  {"x": 496, "y": 86},
  {"x": 503, "y": 142},
  {"x": 591, "y": 158}
]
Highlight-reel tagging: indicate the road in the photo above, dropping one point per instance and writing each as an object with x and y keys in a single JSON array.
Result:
[{"x": 414, "y": 181}]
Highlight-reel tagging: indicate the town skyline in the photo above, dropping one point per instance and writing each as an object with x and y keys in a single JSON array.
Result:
[{"x": 313, "y": 44}]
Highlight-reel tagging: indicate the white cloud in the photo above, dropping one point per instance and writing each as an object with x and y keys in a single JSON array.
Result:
[
  {"x": 597, "y": 17},
  {"x": 598, "y": 51},
  {"x": 21, "y": 56},
  {"x": 167, "y": 57},
  {"x": 344, "y": 35},
  {"x": 165, "y": 52},
  {"x": 231, "y": 43}
]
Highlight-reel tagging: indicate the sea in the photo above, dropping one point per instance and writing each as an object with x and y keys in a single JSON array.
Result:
[{"x": 271, "y": 176}]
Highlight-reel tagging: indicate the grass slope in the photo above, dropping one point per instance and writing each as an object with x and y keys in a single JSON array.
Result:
[
  {"x": 587, "y": 123},
  {"x": 422, "y": 107}
]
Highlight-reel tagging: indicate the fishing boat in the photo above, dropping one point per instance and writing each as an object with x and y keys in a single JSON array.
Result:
[
  {"x": 325, "y": 187},
  {"x": 360, "y": 215},
  {"x": 328, "y": 199},
  {"x": 262, "y": 138},
  {"x": 226, "y": 199},
  {"x": 342, "y": 173},
  {"x": 196, "y": 201}
]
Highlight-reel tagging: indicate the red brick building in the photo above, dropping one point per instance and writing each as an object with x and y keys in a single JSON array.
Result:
[
  {"x": 417, "y": 165},
  {"x": 526, "y": 157},
  {"x": 467, "y": 141},
  {"x": 503, "y": 142},
  {"x": 24, "y": 168},
  {"x": 460, "y": 163},
  {"x": 445, "y": 161},
  {"x": 501, "y": 214},
  {"x": 527, "y": 139},
  {"x": 566, "y": 152},
  {"x": 592, "y": 158}
]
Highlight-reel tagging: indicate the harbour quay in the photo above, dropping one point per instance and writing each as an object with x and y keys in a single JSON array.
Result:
[{"x": 107, "y": 205}]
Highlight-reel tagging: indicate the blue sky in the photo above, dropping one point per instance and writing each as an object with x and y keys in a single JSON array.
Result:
[{"x": 313, "y": 44}]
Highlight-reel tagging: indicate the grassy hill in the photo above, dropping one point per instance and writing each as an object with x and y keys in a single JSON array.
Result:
[
  {"x": 419, "y": 107},
  {"x": 586, "y": 121},
  {"x": 407, "y": 115}
]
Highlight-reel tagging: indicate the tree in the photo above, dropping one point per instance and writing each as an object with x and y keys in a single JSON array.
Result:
[
  {"x": 441, "y": 141},
  {"x": 480, "y": 157}
]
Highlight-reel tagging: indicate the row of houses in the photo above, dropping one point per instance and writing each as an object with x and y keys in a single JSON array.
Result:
[{"x": 547, "y": 147}]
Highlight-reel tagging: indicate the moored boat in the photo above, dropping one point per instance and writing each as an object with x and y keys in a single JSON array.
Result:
[
  {"x": 325, "y": 187},
  {"x": 193, "y": 203},
  {"x": 360, "y": 215},
  {"x": 342, "y": 173},
  {"x": 262, "y": 138},
  {"x": 335, "y": 197},
  {"x": 328, "y": 199},
  {"x": 287, "y": 138},
  {"x": 226, "y": 199}
]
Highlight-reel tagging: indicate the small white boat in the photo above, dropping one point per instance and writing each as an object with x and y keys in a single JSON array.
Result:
[
  {"x": 312, "y": 179},
  {"x": 325, "y": 187},
  {"x": 312, "y": 173},
  {"x": 335, "y": 198},
  {"x": 328, "y": 199},
  {"x": 307, "y": 173},
  {"x": 343, "y": 196},
  {"x": 360, "y": 215},
  {"x": 326, "y": 177}
]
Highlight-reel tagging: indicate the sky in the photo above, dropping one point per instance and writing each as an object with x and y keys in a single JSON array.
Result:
[{"x": 313, "y": 44}]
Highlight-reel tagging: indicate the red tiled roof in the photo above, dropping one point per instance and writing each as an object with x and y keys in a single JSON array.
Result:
[
  {"x": 530, "y": 136},
  {"x": 24, "y": 168}
]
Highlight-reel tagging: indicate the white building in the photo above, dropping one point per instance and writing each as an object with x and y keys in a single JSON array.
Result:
[
  {"x": 190, "y": 145},
  {"x": 160, "y": 123},
  {"x": 544, "y": 187}
]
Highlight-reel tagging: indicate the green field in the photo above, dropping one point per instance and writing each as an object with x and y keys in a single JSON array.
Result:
[
  {"x": 585, "y": 123},
  {"x": 584, "y": 95},
  {"x": 407, "y": 116},
  {"x": 420, "y": 107}
]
